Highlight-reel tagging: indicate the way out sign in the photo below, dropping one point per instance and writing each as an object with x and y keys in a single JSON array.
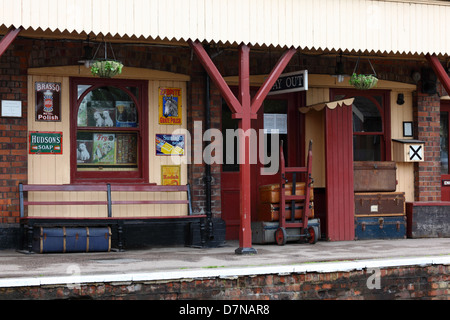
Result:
[
  {"x": 291, "y": 82},
  {"x": 45, "y": 142}
]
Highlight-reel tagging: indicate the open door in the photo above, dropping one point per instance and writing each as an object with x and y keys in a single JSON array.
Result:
[{"x": 284, "y": 108}]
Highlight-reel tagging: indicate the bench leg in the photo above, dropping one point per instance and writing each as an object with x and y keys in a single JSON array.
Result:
[
  {"x": 120, "y": 236},
  {"x": 29, "y": 230}
]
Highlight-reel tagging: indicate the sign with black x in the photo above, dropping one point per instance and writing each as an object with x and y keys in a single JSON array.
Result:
[{"x": 416, "y": 152}]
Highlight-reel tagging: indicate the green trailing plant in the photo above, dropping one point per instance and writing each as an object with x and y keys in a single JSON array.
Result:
[
  {"x": 106, "y": 68},
  {"x": 362, "y": 81}
]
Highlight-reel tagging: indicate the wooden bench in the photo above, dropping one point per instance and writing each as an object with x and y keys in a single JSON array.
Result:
[{"x": 28, "y": 223}]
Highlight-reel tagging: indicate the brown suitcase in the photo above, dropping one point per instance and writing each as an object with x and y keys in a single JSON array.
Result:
[
  {"x": 270, "y": 193},
  {"x": 270, "y": 211},
  {"x": 380, "y": 204},
  {"x": 373, "y": 176}
]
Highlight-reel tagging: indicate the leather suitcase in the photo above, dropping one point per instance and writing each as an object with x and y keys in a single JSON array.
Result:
[
  {"x": 372, "y": 176},
  {"x": 270, "y": 211},
  {"x": 263, "y": 232},
  {"x": 380, "y": 204},
  {"x": 71, "y": 239},
  {"x": 270, "y": 193},
  {"x": 380, "y": 228}
]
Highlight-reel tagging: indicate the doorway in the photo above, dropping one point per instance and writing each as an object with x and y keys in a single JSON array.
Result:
[
  {"x": 444, "y": 143},
  {"x": 278, "y": 111}
]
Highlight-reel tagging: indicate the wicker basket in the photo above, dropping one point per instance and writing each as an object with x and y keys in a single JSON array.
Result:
[
  {"x": 362, "y": 81},
  {"x": 106, "y": 68}
]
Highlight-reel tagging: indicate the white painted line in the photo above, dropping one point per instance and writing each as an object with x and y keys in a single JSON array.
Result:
[{"x": 320, "y": 267}]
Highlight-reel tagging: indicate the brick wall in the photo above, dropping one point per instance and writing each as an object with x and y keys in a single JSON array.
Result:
[
  {"x": 402, "y": 283},
  {"x": 13, "y": 131},
  {"x": 427, "y": 174}
]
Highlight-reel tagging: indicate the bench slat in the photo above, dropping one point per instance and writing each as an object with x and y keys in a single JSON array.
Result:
[
  {"x": 62, "y": 203},
  {"x": 150, "y": 202}
]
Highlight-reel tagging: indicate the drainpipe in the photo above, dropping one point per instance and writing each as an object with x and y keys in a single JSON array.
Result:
[{"x": 208, "y": 179}]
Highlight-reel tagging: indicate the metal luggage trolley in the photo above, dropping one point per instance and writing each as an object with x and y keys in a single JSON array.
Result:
[{"x": 310, "y": 233}]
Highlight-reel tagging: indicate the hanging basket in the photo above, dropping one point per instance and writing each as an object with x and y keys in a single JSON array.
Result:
[
  {"x": 363, "y": 81},
  {"x": 106, "y": 68}
]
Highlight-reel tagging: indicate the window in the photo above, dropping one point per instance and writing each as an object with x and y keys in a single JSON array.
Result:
[
  {"x": 109, "y": 130},
  {"x": 371, "y": 131}
]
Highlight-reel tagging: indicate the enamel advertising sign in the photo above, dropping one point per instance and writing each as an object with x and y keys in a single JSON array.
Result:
[
  {"x": 48, "y": 101},
  {"x": 170, "y": 106}
]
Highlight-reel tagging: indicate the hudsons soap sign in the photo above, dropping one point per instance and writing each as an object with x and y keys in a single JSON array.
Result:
[{"x": 45, "y": 142}]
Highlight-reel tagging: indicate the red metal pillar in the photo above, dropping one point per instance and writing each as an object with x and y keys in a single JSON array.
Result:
[
  {"x": 8, "y": 39},
  {"x": 245, "y": 118},
  {"x": 245, "y": 110},
  {"x": 440, "y": 71}
]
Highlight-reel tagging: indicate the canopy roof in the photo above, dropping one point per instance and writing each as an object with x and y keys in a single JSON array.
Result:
[{"x": 383, "y": 26}]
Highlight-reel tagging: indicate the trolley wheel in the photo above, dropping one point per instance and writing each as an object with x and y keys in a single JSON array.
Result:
[
  {"x": 281, "y": 236},
  {"x": 313, "y": 235}
]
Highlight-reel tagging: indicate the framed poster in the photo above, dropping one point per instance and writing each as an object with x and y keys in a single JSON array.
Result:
[
  {"x": 169, "y": 144},
  {"x": 170, "y": 175},
  {"x": 11, "y": 108},
  {"x": 42, "y": 142},
  {"x": 169, "y": 105},
  {"x": 48, "y": 101}
]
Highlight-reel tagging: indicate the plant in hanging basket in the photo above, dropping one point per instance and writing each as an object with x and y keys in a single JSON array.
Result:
[
  {"x": 106, "y": 68},
  {"x": 362, "y": 81}
]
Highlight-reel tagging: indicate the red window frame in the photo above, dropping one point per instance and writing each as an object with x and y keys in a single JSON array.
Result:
[{"x": 139, "y": 176}]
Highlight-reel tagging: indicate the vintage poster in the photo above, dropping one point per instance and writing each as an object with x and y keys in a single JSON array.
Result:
[
  {"x": 104, "y": 148},
  {"x": 169, "y": 144},
  {"x": 48, "y": 101},
  {"x": 45, "y": 142},
  {"x": 170, "y": 175},
  {"x": 126, "y": 114},
  {"x": 170, "y": 105}
]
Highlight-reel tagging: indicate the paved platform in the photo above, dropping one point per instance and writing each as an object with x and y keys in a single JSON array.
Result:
[{"x": 19, "y": 269}]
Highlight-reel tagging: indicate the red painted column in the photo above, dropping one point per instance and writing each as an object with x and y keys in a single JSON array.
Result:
[
  {"x": 8, "y": 39},
  {"x": 245, "y": 232},
  {"x": 440, "y": 71}
]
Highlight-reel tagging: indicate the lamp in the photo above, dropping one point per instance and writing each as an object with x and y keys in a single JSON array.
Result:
[
  {"x": 86, "y": 59},
  {"x": 400, "y": 99},
  {"x": 339, "y": 69}
]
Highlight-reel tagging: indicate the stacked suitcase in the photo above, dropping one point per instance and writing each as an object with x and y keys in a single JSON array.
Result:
[
  {"x": 263, "y": 230},
  {"x": 379, "y": 210}
]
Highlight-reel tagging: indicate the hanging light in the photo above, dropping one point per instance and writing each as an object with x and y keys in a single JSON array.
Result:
[
  {"x": 86, "y": 59},
  {"x": 339, "y": 69}
]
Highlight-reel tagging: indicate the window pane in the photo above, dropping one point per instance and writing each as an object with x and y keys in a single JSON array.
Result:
[
  {"x": 444, "y": 142},
  {"x": 366, "y": 148},
  {"x": 111, "y": 151},
  {"x": 107, "y": 107},
  {"x": 366, "y": 116}
]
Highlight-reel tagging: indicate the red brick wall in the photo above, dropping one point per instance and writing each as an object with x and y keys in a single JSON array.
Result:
[
  {"x": 403, "y": 283},
  {"x": 13, "y": 131},
  {"x": 427, "y": 176}
]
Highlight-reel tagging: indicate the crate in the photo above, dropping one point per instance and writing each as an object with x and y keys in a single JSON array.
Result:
[
  {"x": 374, "y": 176},
  {"x": 380, "y": 227},
  {"x": 380, "y": 204},
  {"x": 270, "y": 193},
  {"x": 71, "y": 239}
]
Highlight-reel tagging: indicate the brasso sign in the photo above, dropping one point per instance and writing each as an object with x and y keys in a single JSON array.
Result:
[{"x": 291, "y": 82}]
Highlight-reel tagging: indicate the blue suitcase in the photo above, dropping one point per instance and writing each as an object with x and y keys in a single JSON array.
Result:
[
  {"x": 71, "y": 239},
  {"x": 380, "y": 227}
]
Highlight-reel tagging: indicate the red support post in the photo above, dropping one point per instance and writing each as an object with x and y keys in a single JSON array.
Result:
[
  {"x": 8, "y": 39},
  {"x": 439, "y": 70},
  {"x": 245, "y": 110},
  {"x": 245, "y": 232},
  {"x": 215, "y": 75},
  {"x": 270, "y": 81}
]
